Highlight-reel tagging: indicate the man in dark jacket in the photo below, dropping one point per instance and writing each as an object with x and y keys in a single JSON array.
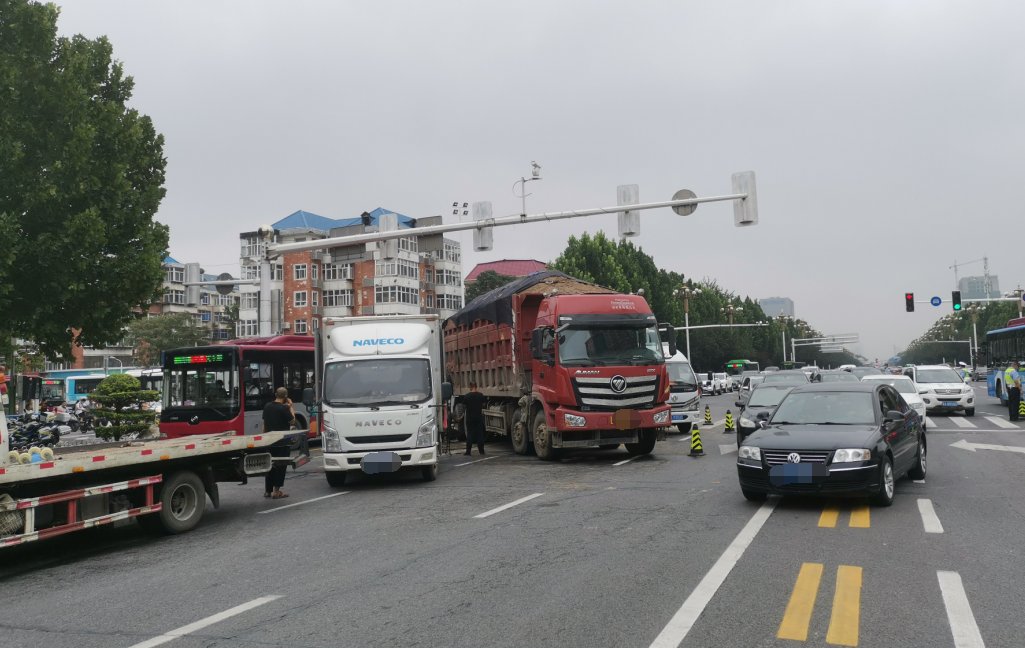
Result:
[
  {"x": 277, "y": 417},
  {"x": 473, "y": 419}
]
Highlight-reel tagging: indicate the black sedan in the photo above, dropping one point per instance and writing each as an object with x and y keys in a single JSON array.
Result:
[
  {"x": 835, "y": 439},
  {"x": 836, "y": 375},
  {"x": 757, "y": 408}
]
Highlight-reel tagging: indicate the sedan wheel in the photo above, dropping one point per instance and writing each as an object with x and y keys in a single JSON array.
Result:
[
  {"x": 919, "y": 469},
  {"x": 884, "y": 497}
]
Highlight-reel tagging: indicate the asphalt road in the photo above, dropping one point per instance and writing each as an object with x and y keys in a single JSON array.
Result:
[{"x": 656, "y": 551}]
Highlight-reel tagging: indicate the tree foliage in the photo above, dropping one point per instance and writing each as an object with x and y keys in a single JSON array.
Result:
[
  {"x": 485, "y": 282},
  {"x": 122, "y": 402},
  {"x": 81, "y": 176},
  {"x": 152, "y": 335},
  {"x": 945, "y": 339}
]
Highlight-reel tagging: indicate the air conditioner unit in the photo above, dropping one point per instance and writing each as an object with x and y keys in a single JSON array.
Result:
[
  {"x": 286, "y": 326},
  {"x": 317, "y": 255},
  {"x": 326, "y": 257}
]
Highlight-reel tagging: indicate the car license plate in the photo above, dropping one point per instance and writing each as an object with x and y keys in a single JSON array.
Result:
[
  {"x": 949, "y": 403},
  {"x": 380, "y": 462},
  {"x": 796, "y": 473}
]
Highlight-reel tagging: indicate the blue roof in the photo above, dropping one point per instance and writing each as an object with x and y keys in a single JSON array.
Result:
[
  {"x": 307, "y": 220},
  {"x": 171, "y": 260}
]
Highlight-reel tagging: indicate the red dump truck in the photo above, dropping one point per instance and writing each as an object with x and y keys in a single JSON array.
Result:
[{"x": 563, "y": 364}]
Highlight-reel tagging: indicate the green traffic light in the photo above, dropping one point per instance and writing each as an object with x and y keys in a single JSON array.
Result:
[{"x": 957, "y": 306}]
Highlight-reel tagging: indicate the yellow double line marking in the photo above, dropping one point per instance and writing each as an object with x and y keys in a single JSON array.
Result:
[
  {"x": 846, "y": 615},
  {"x": 860, "y": 517}
]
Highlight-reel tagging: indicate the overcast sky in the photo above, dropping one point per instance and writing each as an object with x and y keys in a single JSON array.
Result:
[{"x": 887, "y": 137}]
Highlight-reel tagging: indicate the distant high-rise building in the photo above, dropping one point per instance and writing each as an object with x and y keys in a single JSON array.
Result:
[
  {"x": 776, "y": 306},
  {"x": 975, "y": 287}
]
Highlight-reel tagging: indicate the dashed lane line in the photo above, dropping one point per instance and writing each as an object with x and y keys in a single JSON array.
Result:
[
  {"x": 507, "y": 506},
  {"x": 309, "y": 501},
  {"x": 846, "y": 617},
  {"x": 467, "y": 463},
  {"x": 797, "y": 617},
  {"x": 626, "y": 461},
  {"x": 685, "y": 618},
  {"x": 959, "y": 611},
  {"x": 930, "y": 520},
  {"x": 861, "y": 518},
  {"x": 830, "y": 516},
  {"x": 203, "y": 623}
]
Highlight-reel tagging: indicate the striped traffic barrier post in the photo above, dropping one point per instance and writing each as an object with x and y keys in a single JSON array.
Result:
[
  {"x": 696, "y": 449},
  {"x": 708, "y": 415},
  {"x": 729, "y": 423}
]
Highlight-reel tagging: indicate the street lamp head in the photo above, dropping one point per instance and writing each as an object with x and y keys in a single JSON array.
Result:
[{"x": 535, "y": 170}]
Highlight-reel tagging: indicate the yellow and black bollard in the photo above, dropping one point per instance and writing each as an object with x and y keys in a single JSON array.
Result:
[
  {"x": 708, "y": 415},
  {"x": 1021, "y": 408},
  {"x": 695, "y": 442},
  {"x": 730, "y": 427}
]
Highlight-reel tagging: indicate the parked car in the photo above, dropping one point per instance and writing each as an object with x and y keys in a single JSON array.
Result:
[
  {"x": 907, "y": 390},
  {"x": 758, "y": 408},
  {"x": 942, "y": 389},
  {"x": 835, "y": 375},
  {"x": 721, "y": 382},
  {"x": 835, "y": 439},
  {"x": 861, "y": 372},
  {"x": 791, "y": 377},
  {"x": 750, "y": 382}
]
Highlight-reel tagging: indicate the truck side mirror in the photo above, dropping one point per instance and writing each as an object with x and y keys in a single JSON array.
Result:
[
  {"x": 308, "y": 399},
  {"x": 446, "y": 391},
  {"x": 668, "y": 335}
]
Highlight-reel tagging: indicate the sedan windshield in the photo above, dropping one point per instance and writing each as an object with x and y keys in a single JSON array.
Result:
[
  {"x": 378, "y": 381},
  {"x": 901, "y": 384},
  {"x": 608, "y": 346},
  {"x": 841, "y": 408},
  {"x": 780, "y": 378},
  {"x": 767, "y": 396},
  {"x": 942, "y": 375},
  {"x": 841, "y": 376}
]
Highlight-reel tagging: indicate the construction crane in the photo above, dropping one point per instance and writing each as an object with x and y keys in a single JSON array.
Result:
[{"x": 987, "y": 283}]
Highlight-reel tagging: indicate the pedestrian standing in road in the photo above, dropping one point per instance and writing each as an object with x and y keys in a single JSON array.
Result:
[
  {"x": 277, "y": 417},
  {"x": 1012, "y": 383},
  {"x": 473, "y": 419}
]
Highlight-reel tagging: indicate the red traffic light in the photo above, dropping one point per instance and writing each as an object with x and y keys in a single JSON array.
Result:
[{"x": 909, "y": 302}]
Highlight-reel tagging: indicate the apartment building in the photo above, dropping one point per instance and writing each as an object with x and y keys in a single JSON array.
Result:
[{"x": 409, "y": 275}]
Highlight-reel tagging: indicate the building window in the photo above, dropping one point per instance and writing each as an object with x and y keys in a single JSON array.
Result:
[
  {"x": 452, "y": 251},
  {"x": 299, "y": 298},
  {"x": 226, "y": 300},
  {"x": 396, "y": 295},
  {"x": 409, "y": 244},
  {"x": 450, "y": 302},
  {"x": 174, "y": 296},
  {"x": 174, "y": 275},
  {"x": 316, "y": 323},
  {"x": 448, "y": 277},
  {"x": 337, "y": 298},
  {"x": 204, "y": 316},
  {"x": 316, "y": 296},
  {"x": 300, "y": 326},
  {"x": 247, "y": 328},
  {"x": 428, "y": 275},
  {"x": 430, "y": 300},
  {"x": 277, "y": 272},
  {"x": 249, "y": 301},
  {"x": 299, "y": 271},
  {"x": 409, "y": 269},
  {"x": 252, "y": 247},
  {"x": 313, "y": 270},
  {"x": 386, "y": 269},
  {"x": 250, "y": 272},
  {"x": 204, "y": 299}
]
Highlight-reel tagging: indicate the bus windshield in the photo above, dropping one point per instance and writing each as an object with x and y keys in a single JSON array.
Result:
[
  {"x": 203, "y": 381},
  {"x": 737, "y": 367},
  {"x": 377, "y": 381}
]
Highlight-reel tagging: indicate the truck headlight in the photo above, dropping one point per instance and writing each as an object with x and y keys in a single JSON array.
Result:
[
  {"x": 332, "y": 442},
  {"x": 573, "y": 420},
  {"x": 425, "y": 435},
  {"x": 849, "y": 455},
  {"x": 750, "y": 452},
  {"x": 662, "y": 418}
]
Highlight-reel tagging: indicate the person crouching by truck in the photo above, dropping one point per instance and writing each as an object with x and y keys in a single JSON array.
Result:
[
  {"x": 473, "y": 419},
  {"x": 277, "y": 417}
]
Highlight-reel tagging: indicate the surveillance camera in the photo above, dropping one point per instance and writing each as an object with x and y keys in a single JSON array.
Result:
[{"x": 266, "y": 231}]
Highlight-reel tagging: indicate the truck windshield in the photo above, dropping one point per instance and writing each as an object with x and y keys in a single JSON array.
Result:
[
  {"x": 598, "y": 346},
  {"x": 681, "y": 375},
  {"x": 377, "y": 381}
]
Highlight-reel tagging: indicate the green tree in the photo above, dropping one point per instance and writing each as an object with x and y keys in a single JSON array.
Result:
[
  {"x": 152, "y": 335},
  {"x": 485, "y": 282},
  {"x": 121, "y": 402},
  {"x": 81, "y": 176}
]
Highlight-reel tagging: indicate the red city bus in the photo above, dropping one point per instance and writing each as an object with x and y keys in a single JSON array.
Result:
[{"x": 223, "y": 387}]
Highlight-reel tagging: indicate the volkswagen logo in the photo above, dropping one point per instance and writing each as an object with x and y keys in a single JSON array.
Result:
[
  {"x": 618, "y": 384},
  {"x": 793, "y": 457}
]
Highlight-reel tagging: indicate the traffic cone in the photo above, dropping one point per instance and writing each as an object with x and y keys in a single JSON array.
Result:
[
  {"x": 708, "y": 415},
  {"x": 695, "y": 442},
  {"x": 1021, "y": 408},
  {"x": 729, "y": 423}
]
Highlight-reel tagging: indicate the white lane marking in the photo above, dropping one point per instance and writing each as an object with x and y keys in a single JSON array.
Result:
[
  {"x": 931, "y": 423},
  {"x": 961, "y": 422},
  {"x": 467, "y": 463},
  {"x": 681, "y": 623},
  {"x": 620, "y": 463},
  {"x": 967, "y": 445},
  {"x": 315, "y": 499},
  {"x": 930, "y": 520},
  {"x": 999, "y": 422},
  {"x": 919, "y": 481},
  {"x": 727, "y": 448},
  {"x": 508, "y": 506},
  {"x": 959, "y": 612},
  {"x": 202, "y": 623}
]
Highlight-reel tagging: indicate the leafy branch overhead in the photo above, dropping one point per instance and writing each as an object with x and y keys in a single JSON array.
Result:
[{"x": 81, "y": 177}]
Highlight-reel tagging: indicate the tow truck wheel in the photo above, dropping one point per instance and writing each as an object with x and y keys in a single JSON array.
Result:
[
  {"x": 644, "y": 446},
  {"x": 519, "y": 435},
  {"x": 684, "y": 428},
  {"x": 183, "y": 502},
  {"x": 335, "y": 478},
  {"x": 542, "y": 438}
]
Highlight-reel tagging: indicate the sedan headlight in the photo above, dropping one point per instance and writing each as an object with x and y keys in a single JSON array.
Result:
[
  {"x": 848, "y": 455},
  {"x": 332, "y": 442},
  {"x": 425, "y": 435},
  {"x": 573, "y": 420},
  {"x": 662, "y": 418},
  {"x": 750, "y": 452}
]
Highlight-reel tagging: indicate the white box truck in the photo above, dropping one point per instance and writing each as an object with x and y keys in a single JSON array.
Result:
[{"x": 380, "y": 394}]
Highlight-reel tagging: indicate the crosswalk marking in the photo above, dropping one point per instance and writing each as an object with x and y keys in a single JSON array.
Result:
[
  {"x": 999, "y": 422},
  {"x": 961, "y": 422},
  {"x": 930, "y": 423},
  {"x": 797, "y": 617},
  {"x": 844, "y": 622},
  {"x": 861, "y": 518}
]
